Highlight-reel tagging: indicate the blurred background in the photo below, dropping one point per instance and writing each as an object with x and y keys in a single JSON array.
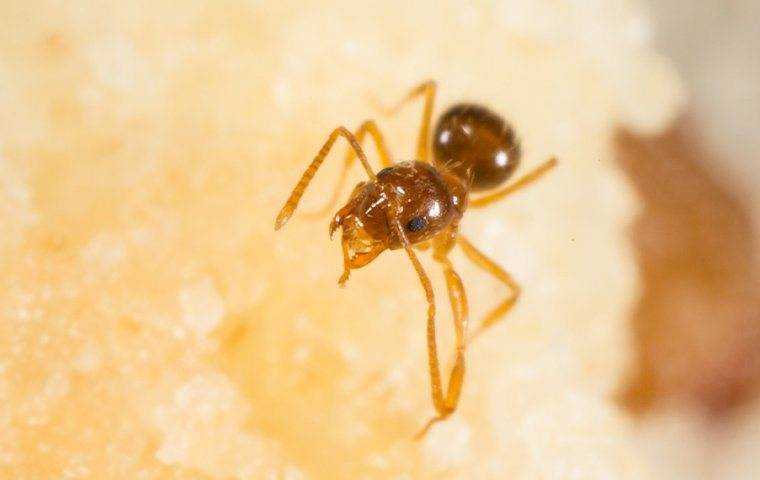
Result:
[
  {"x": 152, "y": 325},
  {"x": 698, "y": 322}
]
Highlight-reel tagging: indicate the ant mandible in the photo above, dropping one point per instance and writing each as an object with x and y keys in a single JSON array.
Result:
[{"x": 419, "y": 203}]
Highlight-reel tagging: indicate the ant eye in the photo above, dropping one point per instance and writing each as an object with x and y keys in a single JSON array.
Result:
[{"x": 416, "y": 224}]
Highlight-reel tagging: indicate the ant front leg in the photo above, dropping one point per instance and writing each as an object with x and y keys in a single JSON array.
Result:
[
  {"x": 442, "y": 245},
  {"x": 440, "y": 403},
  {"x": 428, "y": 89},
  {"x": 482, "y": 261}
]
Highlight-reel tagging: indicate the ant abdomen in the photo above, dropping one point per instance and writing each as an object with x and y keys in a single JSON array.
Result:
[{"x": 477, "y": 145}]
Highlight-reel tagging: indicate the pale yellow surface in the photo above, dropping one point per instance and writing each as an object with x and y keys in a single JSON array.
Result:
[{"x": 153, "y": 325}]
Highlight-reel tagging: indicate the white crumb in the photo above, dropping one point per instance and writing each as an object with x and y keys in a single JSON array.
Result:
[{"x": 202, "y": 307}]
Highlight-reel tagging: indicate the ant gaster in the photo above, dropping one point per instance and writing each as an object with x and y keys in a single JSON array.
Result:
[{"x": 419, "y": 203}]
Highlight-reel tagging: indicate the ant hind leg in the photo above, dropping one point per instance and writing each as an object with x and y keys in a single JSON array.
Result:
[
  {"x": 428, "y": 89},
  {"x": 523, "y": 181},
  {"x": 482, "y": 261}
]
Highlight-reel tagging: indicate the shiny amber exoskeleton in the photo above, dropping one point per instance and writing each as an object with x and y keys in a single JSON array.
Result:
[
  {"x": 475, "y": 143},
  {"x": 417, "y": 203},
  {"x": 427, "y": 200}
]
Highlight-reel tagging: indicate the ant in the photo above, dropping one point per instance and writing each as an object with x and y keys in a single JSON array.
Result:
[{"x": 419, "y": 203}]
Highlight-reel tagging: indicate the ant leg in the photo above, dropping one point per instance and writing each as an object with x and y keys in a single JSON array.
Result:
[
  {"x": 435, "y": 373},
  {"x": 370, "y": 127},
  {"x": 524, "y": 181},
  {"x": 502, "y": 275},
  {"x": 459, "y": 308},
  {"x": 422, "y": 246},
  {"x": 428, "y": 89},
  {"x": 297, "y": 193},
  {"x": 444, "y": 406}
]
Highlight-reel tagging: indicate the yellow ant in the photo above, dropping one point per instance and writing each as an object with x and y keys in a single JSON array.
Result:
[{"x": 420, "y": 202}]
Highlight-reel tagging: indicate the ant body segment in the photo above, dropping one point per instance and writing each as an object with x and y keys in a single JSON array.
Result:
[{"x": 418, "y": 204}]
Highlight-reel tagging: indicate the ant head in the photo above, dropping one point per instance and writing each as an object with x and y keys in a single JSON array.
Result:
[{"x": 414, "y": 196}]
